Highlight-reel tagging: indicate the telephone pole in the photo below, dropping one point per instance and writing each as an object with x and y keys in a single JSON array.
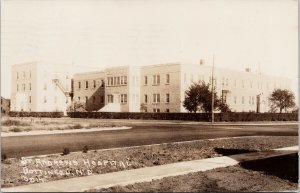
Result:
[{"x": 212, "y": 91}]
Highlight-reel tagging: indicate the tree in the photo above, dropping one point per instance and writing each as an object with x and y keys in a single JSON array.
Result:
[
  {"x": 198, "y": 98},
  {"x": 76, "y": 107},
  {"x": 143, "y": 107},
  {"x": 282, "y": 99}
]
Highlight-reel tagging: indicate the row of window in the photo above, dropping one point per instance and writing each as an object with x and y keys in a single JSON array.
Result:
[
  {"x": 225, "y": 82},
  {"x": 23, "y": 87},
  {"x": 157, "y": 110},
  {"x": 24, "y": 74},
  {"x": 94, "y": 84},
  {"x": 156, "y": 98},
  {"x": 93, "y": 99},
  {"x": 250, "y": 100},
  {"x": 116, "y": 80},
  {"x": 156, "y": 79}
]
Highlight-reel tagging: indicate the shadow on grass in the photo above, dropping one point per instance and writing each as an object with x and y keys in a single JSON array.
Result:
[
  {"x": 226, "y": 152},
  {"x": 285, "y": 166}
]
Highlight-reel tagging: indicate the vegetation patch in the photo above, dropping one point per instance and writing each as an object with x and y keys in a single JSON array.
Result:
[{"x": 91, "y": 162}]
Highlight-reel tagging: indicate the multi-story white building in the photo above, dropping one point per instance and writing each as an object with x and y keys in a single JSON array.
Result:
[
  {"x": 161, "y": 88},
  {"x": 154, "y": 88},
  {"x": 41, "y": 87}
]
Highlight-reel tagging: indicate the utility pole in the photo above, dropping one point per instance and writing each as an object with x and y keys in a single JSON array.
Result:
[{"x": 212, "y": 91}]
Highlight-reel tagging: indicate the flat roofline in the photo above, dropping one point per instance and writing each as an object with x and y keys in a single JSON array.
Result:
[{"x": 91, "y": 72}]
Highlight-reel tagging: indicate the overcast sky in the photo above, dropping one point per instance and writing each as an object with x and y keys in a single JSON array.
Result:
[{"x": 97, "y": 34}]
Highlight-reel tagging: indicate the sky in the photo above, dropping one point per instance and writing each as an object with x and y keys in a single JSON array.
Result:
[{"x": 259, "y": 34}]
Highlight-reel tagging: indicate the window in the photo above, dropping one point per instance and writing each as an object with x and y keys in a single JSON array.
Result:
[
  {"x": 156, "y": 110},
  {"x": 29, "y": 99},
  {"x": 146, "y": 80},
  {"x": 29, "y": 86},
  {"x": 223, "y": 81},
  {"x": 17, "y": 87},
  {"x": 79, "y": 85},
  {"x": 24, "y": 87},
  {"x": 156, "y": 79},
  {"x": 156, "y": 98},
  {"x": 249, "y": 100},
  {"x": 168, "y": 78},
  {"x": 146, "y": 98},
  {"x": 17, "y": 75},
  {"x": 94, "y": 83},
  {"x": 102, "y": 83},
  {"x": 242, "y": 99},
  {"x": 94, "y": 99},
  {"x": 86, "y": 84},
  {"x": 114, "y": 80},
  {"x": 123, "y": 98},
  {"x": 234, "y": 99},
  {"x": 168, "y": 98},
  {"x": 30, "y": 74},
  {"x": 86, "y": 99},
  {"x": 224, "y": 98},
  {"x": 252, "y": 100},
  {"x": 226, "y": 81},
  {"x": 118, "y": 80},
  {"x": 78, "y": 98},
  {"x": 45, "y": 86},
  {"x": 101, "y": 99},
  {"x": 167, "y": 110},
  {"x": 110, "y": 98},
  {"x": 125, "y": 80},
  {"x": 45, "y": 99}
]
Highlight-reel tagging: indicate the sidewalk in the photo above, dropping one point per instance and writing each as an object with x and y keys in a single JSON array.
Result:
[
  {"x": 48, "y": 132},
  {"x": 146, "y": 174}
]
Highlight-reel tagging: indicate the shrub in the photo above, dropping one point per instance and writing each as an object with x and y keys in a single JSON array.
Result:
[
  {"x": 85, "y": 149},
  {"x": 9, "y": 122},
  {"x": 3, "y": 157},
  {"x": 228, "y": 116},
  {"x": 15, "y": 129},
  {"x": 77, "y": 126},
  {"x": 66, "y": 151},
  {"x": 36, "y": 114}
]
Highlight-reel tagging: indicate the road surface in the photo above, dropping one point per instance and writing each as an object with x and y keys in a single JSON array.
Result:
[{"x": 140, "y": 134}]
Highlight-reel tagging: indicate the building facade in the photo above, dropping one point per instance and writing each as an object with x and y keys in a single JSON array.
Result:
[
  {"x": 161, "y": 88},
  {"x": 41, "y": 87},
  {"x": 153, "y": 88}
]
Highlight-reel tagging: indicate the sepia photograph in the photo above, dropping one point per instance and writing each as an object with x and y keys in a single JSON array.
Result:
[{"x": 149, "y": 96}]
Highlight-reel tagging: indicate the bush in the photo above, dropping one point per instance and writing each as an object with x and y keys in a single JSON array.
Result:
[
  {"x": 36, "y": 114},
  {"x": 77, "y": 126},
  {"x": 66, "y": 151},
  {"x": 228, "y": 116},
  {"x": 9, "y": 122},
  {"x": 15, "y": 129},
  {"x": 3, "y": 157},
  {"x": 85, "y": 149}
]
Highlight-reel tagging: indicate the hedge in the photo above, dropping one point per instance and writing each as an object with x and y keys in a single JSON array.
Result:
[
  {"x": 36, "y": 114},
  {"x": 188, "y": 116}
]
